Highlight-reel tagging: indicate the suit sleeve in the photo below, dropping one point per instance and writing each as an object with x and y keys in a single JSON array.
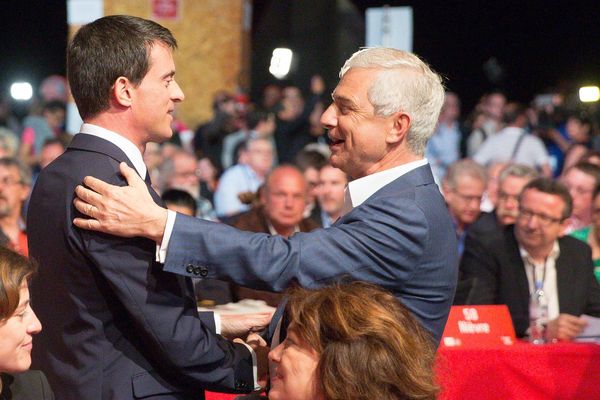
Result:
[
  {"x": 380, "y": 250},
  {"x": 162, "y": 309}
]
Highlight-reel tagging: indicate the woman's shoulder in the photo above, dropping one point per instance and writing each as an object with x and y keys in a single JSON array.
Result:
[{"x": 28, "y": 385}]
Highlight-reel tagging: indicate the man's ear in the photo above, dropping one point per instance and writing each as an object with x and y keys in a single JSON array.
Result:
[
  {"x": 121, "y": 91},
  {"x": 563, "y": 226},
  {"x": 400, "y": 126}
]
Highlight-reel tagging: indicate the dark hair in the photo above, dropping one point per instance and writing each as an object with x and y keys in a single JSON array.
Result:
[
  {"x": 587, "y": 168},
  {"x": 179, "y": 198},
  {"x": 369, "y": 344},
  {"x": 54, "y": 105},
  {"x": 51, "y": 141},
  {"x": 512, "y": 112},
  {"x": 104, "y": 50},
  {"x": 306, "y": 159},
  {"x": 14, "y": 269},
  {"x": 549, "y": 186}
]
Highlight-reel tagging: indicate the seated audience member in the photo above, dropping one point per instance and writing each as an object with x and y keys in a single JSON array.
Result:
[
  {"x": 581, "y": 180},
  {"x": 351, "y": 341},
  {"x": 259, "y": 125},
  {"x": 490, "y": 196},
  {"x": 180, "y": 171},
  {"x": 244, "y": 177},
  {"x": 332, "y": 185},
  {"x": 511, "y": 181},
  {"x": 51, "y": 149},
  {"x": 506, "y": 267},
  {"x": 514, "y": 143},
  {"x": 15, "y": 184},
  {"x": 491, "y": 106},
  {"x": 591, "y": 234},
  {"x": 310, "y": 163},
  {"x": 443, "y": 147},
  {"x": 39, "y": 129},
  {"x": 282, "y": 203},
  {"x": 18, "y": 324},
  {"x": 463, "y": 188},
  {"x": 179, "y": 201}
]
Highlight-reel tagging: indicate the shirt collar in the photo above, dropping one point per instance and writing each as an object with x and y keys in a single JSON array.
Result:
[
  {"x": 359, "y": 190},
  {"x": 554, "y": 253},
  {"x": 274, "y": 232},
  {"x": 131, "y": 150}
]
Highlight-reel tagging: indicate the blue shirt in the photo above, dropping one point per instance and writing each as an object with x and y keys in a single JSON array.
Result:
[{"x": 235, "y": 180}]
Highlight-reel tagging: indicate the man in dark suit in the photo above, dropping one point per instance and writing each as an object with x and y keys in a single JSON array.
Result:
[
  {"x": 395, "y": 230},
  {"x": 508, "y": 266},
  {"x": 116, "y": 325}
]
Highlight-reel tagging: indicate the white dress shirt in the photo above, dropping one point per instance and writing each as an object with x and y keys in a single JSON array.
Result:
[{"x": 545, "y": 271}]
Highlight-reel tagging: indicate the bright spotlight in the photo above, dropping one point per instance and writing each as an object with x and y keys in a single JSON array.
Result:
[
  {"x": 589, "y": 94},
  {"x": 21, "y": 91},
  {"x": 281, "y": 62}
]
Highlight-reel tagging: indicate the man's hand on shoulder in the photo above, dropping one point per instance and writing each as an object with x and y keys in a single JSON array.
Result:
[{"x": 126, "y": 211}]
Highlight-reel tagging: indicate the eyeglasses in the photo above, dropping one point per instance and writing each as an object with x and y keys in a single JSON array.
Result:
[
  {"x": 9, "y": 181},
  {"x": 467, "y": 198},
  {"x": 505, "y": 196},
  {"x": 543, "y": 219}
]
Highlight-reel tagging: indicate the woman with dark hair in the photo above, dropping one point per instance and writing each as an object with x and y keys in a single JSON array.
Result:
[
  {"x": 351, "y": 341},
  {"x": 18, "y": 324}
]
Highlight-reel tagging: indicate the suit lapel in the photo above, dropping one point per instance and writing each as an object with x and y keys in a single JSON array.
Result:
[
  {"x": 563, "y": 277},
  {"x": 516, "y": 262}
]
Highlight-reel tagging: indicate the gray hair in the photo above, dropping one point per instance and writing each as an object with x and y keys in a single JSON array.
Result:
[
  {"x": 464, "y": 167},
  {"x": 518, "y": 171},
  {"x": 405, "y": 83},
  {"x": 24, "y": 170}
]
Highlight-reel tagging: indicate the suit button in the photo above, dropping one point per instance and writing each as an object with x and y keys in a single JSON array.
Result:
[
  {"x": 204, "y": 272},
  {"x": 189, "y": 268},
  {"x": 196, "y": 270}
]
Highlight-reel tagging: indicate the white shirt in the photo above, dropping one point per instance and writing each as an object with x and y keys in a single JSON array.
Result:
[
  {"x": 359, "y": 190},
  {"x": 131, "y": 150},
  {"x": 549, "y": 277}
]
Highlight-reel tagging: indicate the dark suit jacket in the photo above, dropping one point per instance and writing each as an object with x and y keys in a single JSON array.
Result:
[
  {"x": 400, "y": 238},
  {"x": 116, "y": 326},
  {"x": 28, "y": 385},
  {"x": 496, "y": 263}
]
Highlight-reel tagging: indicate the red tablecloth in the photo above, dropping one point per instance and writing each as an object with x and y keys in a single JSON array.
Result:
[
  {"x": 522, "y": 371},
  {"x": 561, "y": 371}
]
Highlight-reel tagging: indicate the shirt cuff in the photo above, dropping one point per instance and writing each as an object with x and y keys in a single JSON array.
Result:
[
  {"x": 161, "y": 250},
  {"x": 254, "y": 367},
  {"x": 217, "y": 323}
]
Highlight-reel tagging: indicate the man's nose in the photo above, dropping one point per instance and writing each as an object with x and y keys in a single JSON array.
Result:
[
  {"x": 177, "y": 94},
  {"x": 329, "y": 117}
]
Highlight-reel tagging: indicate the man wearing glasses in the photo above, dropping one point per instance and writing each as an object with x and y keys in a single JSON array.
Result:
[
  {"x": 463, "y": 188},
  {"x": 15, "y": 183},
  {"x": 506, "y": 267}
]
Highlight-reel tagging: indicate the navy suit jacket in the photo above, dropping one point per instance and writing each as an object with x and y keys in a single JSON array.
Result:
[
  {"x": 495, "y": 262},
  {"x": 116, "y": 326},
  {"x": 400, "y": 238}
]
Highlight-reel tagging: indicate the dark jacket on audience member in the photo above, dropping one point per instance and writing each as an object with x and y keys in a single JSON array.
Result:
[{"x": 495, "y": 264}]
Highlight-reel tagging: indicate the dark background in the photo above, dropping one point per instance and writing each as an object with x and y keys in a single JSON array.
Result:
[{"x": 536, "y": 45}]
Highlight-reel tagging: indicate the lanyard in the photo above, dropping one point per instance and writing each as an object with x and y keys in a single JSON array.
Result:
[{"x": 539, "y": 284}]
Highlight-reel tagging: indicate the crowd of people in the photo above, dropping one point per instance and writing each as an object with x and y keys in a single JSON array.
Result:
[{"x": 521, "y": 186}]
